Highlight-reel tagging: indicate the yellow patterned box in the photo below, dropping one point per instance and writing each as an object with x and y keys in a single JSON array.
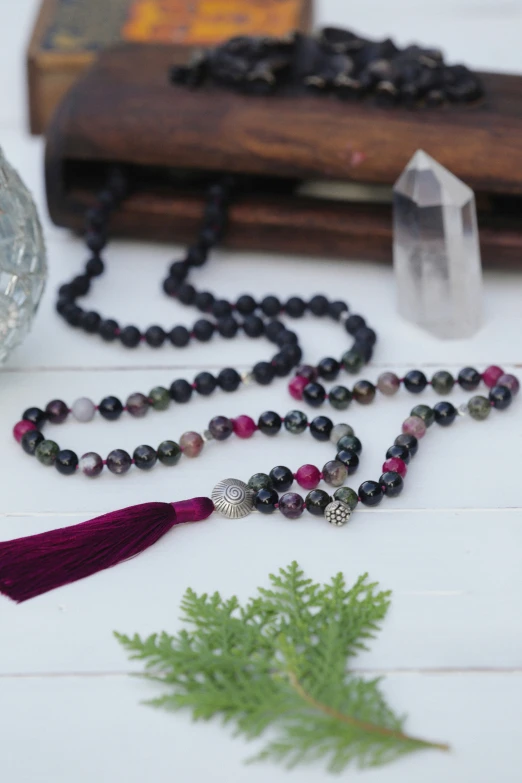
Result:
[{"x": 68, "y": 34}]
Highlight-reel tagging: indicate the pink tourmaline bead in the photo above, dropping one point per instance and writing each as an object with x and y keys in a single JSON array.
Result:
[
  {"x": 244, "y": 426},
  {"x": 21, "y": 428},
  {"x": 191, "y": 444},
  {"x": 296, "y": 386},
  {"x": 491, "y": 375},
  {"x": 396, "y": 464},
  {"x": 308, "y": 476},
  {"x": 414, "y": 426},
  {"x": 510, "y": 382}
]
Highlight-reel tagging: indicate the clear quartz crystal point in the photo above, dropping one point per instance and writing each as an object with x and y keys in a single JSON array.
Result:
[
  {"x": 436, "y": 249},
  {"x": 23, "y": 267}
]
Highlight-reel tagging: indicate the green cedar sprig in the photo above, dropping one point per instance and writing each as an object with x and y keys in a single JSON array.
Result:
[{"x": 282, "y": 661}]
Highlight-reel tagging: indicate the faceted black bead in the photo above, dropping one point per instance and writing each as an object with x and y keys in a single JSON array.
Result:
[
  {"x": 66, "y": 292},
  {"x": 96, "y": 217},
  {"x": 286, "y": 337},
  {"x": 314, "y": 394},
  {"x": 500, "y": 397},
  {"x": 316, "y": 502},
  {"x": 415, "y": 381},
  {"x": 264, "y": 373},
  {"x": 445, "y": 413},
  {"x": 336, "y": 309},
  {"x": 340, "y": 397},
  {"x": 209, "y": 236},
  {"x": 348, "y": 458},
  {"x": 282, "y": 478},
  {"x": 246, "y": 304},
  {"x": 281, "y": 364},
  {"x": 197, "y": 255},
  {"x": 205, "y": 383},
  {"x": 110, "y": 408},
  {"x": 366, "y": 335},
  {"x": 95, "y": 240},
  {"x": 293, "y": 353},
  {"x": 109, "y": 330},
  {"x": 410, "y": 441},
  {"x": 179, "y": 336},
  {"x": 35, "y": 415},
  {"x": 203, "y": 330},
  {"x": 271, "y": 306},
  {"x": 204, "y": 301},
  {"x": 392, "y": 482},
  {"x": 321, "y": 427},
  {"x": 402, "y": 452},
  {"x": 145, "y": 457},
  {"x": 170, "y": 286},
  {"x": 229, "y": 379},
  {"x": 265, "y": 500},
  {"x": 186, "y": 293},
  {"x": 469, "y": 378},
  {"x": 155, "y": 336},
  {"x": 179, "y": 270},
  {"x": 253, "y": 326},
  {"x": 73, "y": 314},
  {"x": 350, "y": 443},
  {"x": 318, "y": 305},
  {"x": 94, "y": 267},
  {"x": 370, "y": 493},
  {"x": 328, "y": 368},
  {"x": 31, "y": 440},
  {"x": 269, "y": 423},
  {"x": 227, "y": 326},
  {"x": 66, "y": 462},
  {"x": 364, "y": 349},
  {"x": 81, "y": 285},
  {"x": 61, "y": 305},
  {"x": 272, "y": 329},
  {"x": 130, "y": 336},
  {"x": 296, "y": 422},
  {"x": 181, "y": 390},
  {"x": 354, "y": 323},
  {"x": 221, "y": 308},
  {"x": 295, "y": 307}
]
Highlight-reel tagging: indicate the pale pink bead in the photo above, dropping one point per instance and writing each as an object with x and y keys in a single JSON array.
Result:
[
  {"x": 21, "y": 428},
  {"x": 244, "y": 426},
  {"x": 396, "y": 465},
  {"x": 388, "y": 383},
  {"x": 414, "y": 426},
  {"x": 510, "y": 382},
  {"x": 296, "y": 386},
  {"x": 191, "y": 444},
  {"x": 308, "y": 476},
  {"x": 491, "y": 375}
]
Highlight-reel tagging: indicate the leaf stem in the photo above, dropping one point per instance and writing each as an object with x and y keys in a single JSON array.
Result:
[{"x": 363, "y": 725}]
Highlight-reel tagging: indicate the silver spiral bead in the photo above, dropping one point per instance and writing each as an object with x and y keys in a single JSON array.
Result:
[{"x": 233, "y": 498}]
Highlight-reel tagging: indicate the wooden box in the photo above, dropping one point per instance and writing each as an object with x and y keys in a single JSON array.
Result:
[
  {"x": 174, "y": 140},
  {"x": 70, "y": 34}
]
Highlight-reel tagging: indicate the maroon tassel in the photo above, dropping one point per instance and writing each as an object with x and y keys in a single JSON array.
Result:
[{"x": 33, "y": 565}]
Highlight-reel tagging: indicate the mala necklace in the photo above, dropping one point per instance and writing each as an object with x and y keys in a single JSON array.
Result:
[{"x": 33, "y": 565}]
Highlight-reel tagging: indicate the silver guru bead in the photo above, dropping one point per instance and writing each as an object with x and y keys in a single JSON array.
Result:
[{"x": 337, "y": 513}]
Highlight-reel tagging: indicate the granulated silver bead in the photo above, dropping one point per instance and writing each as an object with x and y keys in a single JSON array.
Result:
[
  {"x": 233, "y": 498},
  {"x": 337, "y": 513}
]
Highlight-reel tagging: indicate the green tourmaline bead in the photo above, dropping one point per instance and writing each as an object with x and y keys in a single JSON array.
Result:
[
  {"x": 347, "y": 495},
  {"x": 47, "y": 451},
  {"x": 260, "y": 481},
  {"x": 352, "y": 361},
  {"x": 296, "y": 422},
  {"x": 425, "y": 413},
  {"x": 159, "y": 398},
  {"x": 479, "y": 408},
  {"x": 169, "y": 453},
  {"x": 443, "y": 382},
  {"x": 340, "y": 397},
  {"x": 351, "y": 443}
]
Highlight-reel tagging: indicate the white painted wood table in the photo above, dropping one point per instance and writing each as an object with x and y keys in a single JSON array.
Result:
[{"x": 449, "y": 548}]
